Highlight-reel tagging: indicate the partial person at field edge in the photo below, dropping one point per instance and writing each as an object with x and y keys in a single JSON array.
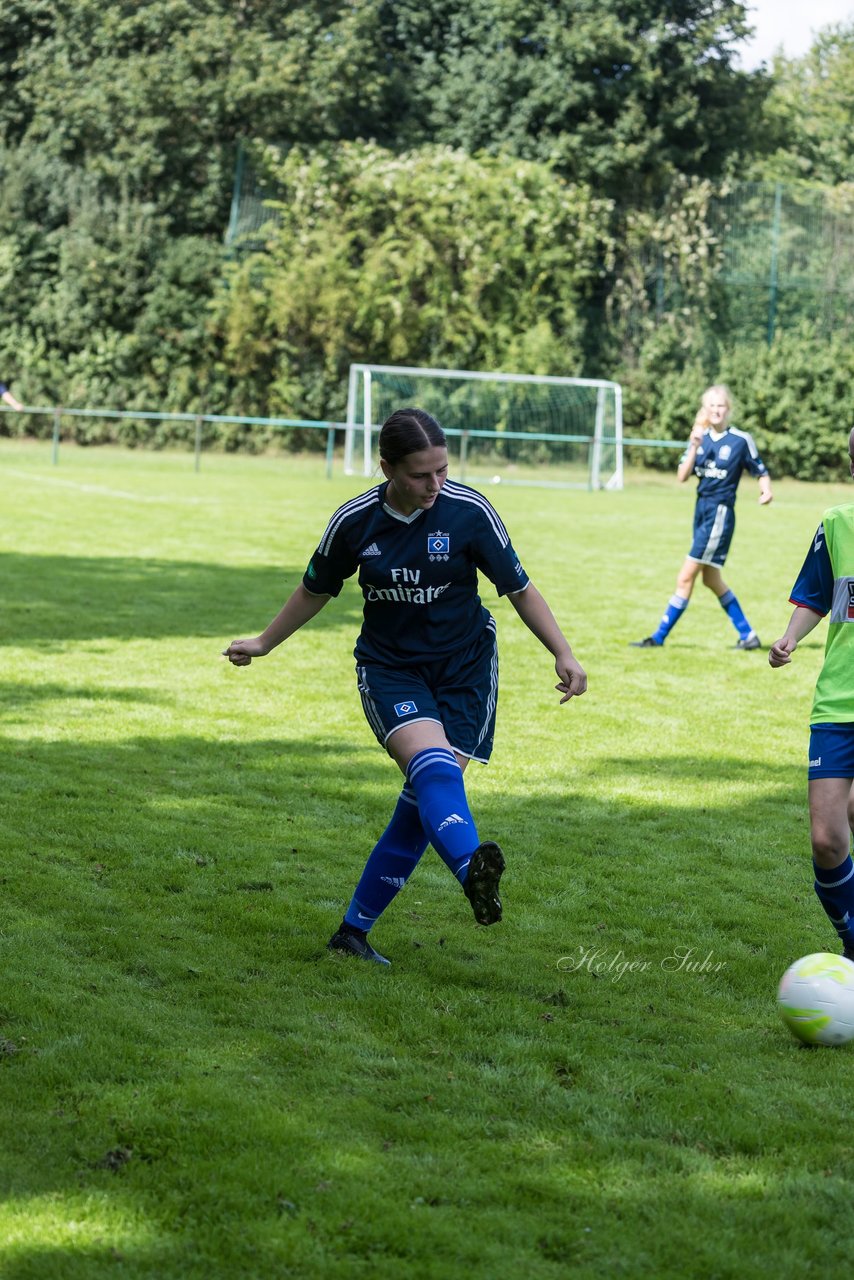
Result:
[
  {"x": 717, "y": 454},
  {"x": 426, "y": 657},
  {"x": 7, "y": 398},
  {"x": 825, "y": 586}
]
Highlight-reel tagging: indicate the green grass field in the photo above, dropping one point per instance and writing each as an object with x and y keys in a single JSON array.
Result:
[{"x": 191, "y": 1086}]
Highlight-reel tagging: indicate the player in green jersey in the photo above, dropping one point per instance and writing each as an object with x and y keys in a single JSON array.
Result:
[{"x": 825, "y": 586}]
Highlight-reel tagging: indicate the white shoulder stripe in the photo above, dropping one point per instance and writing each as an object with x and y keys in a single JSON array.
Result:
[
  {"x": 461, "y": 493},
  {"x": 745, "y": 435},
  {"x": 353, "y": 507}
]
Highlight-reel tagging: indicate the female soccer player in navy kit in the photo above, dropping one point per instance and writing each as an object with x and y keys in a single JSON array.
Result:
[
  {"x": 717, "y": 454},
  {"x": 426, "y": 657}
]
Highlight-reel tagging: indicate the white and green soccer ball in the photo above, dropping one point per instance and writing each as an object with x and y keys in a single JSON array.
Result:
[{"x": 816, "y": 999}]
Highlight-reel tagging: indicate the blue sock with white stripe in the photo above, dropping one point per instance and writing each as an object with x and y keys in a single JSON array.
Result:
[
  {"x": 391, "y": 862},
  {"x": 437, "y": 780},
  {"x": 730, "y": 606},
  {"x": 835, "y": 889},
  {"x": 676, "y": 606}
]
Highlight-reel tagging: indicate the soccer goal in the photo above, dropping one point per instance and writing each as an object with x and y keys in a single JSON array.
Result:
[{"x": 514, "y": 427}]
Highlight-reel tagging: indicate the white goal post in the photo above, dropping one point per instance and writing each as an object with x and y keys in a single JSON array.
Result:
[{"x": 531, "y": 424}]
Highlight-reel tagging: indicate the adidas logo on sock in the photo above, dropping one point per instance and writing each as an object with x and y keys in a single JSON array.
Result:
[
  {"x": 372, "y": 550},
  {"x": 450, "y": 820},
  {"x": 397, "y": 881}
]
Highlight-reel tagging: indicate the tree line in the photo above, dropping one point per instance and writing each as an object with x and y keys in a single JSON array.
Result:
[{"x": 466, "y": 184}]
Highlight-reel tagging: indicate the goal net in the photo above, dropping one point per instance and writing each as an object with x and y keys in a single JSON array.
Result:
[{"x": 511, "y": 427}]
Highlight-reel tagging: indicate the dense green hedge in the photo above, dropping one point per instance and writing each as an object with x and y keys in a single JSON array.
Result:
[
  {"x": 796, "y": 397},
  {"x": 430, "y": 257}
]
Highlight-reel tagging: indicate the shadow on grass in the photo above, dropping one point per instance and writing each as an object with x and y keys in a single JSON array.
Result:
[
  {"x": 296, "y": 773},
  {"x": 62, "y": 598},
  {"x": 681, "y": 768},
  {"x": 16, "y": 697},
  {"x": 180, "y": 1049},
  {"x": 297, "y": 817}
]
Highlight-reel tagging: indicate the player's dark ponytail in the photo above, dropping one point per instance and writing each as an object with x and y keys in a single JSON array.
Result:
[{"x": 408, "y": 431}]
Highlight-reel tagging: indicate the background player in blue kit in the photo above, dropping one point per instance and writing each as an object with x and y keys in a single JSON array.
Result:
[
  {"x": 426, "y": 656},
  {"x": 7, "y": 398},
  {"x": 718, "y": 454},
  {"x": 825, "y": 585}
]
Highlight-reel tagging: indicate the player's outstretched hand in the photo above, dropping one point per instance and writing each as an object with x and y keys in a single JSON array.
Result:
[
  {"x": 572, "y": 678},
  {"x": 241, "y": 652},
  {"x": 781, "y": 651}
]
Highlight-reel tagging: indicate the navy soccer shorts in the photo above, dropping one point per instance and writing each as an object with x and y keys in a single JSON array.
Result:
[
  {"x": 714, "y": 525},
  {"x": 460, "y": 693},
  {"x": 831, "y": 751}
]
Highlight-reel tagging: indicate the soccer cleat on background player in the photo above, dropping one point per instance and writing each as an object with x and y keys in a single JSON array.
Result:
[
  {"x": 646, "y": 643},
  {"x": 481, "y": 883},
  {"x": 749, "y": 642},
  {"x": 354, "y": 942}
]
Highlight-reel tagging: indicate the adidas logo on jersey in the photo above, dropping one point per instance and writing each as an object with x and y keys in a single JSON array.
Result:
[
  {"x": 397, "y": 881},
  {"x": 372, "y": 550},
  {"x": 451, "y": 819}
]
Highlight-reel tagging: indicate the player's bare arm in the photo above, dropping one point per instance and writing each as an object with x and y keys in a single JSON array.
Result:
[
  {"x": 801, "y": 623},
  {"x": 299, "y": 609},
  {"x": 539, "y": 619},
  {"x": 10, "y": 400},
  {"x": 765, "y": 494},
  {"x": 695, "y": 439},
  {"x": 686, "y": 466}
]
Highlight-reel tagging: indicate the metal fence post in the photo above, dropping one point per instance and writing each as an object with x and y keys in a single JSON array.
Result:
[
  {"x": 198, "y": 442},
  {"x": 57, "y": 420},
  {"x": 775, "y": 254}
]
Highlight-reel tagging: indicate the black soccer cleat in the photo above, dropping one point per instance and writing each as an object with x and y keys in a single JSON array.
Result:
[
  {"x": 354, "y": 942},
  {"x": 481, "y": 885},
  {"x": 749, "y": 642},
  {"x": 646, "y": 643}
]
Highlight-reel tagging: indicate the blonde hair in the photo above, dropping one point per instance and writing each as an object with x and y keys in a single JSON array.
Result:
[{"x": 717, "y": 389}]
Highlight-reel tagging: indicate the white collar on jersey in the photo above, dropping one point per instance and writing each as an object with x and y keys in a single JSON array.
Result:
[{"x": 398, "y": 515}]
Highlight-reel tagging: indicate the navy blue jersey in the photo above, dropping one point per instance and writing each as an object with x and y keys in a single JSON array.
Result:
[
  {"x": 814, "y": 587},
  {"x": 418, "y": 573},
  {"x": 720, "y": 462}
]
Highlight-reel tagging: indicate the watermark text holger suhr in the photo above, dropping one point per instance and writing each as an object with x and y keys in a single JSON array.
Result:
[{"x": 616, "y": 964}]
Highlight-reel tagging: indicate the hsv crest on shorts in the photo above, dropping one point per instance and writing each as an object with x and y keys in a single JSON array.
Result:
[{"x": 404, "y": 708}]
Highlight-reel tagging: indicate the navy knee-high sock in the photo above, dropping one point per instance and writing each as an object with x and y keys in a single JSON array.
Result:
[
  {"x": 391, "y": 862},
  {"x": 437, "y": 781},
  {"x": 835, "y": 889}
]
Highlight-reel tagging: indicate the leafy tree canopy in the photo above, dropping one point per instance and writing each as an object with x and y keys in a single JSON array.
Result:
[
  {"x": 427, "y": 257},
  {"x": 810, "y": 112},
  {"x": 150, "y": 97},
  {"x": 619, "y": 93}
]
